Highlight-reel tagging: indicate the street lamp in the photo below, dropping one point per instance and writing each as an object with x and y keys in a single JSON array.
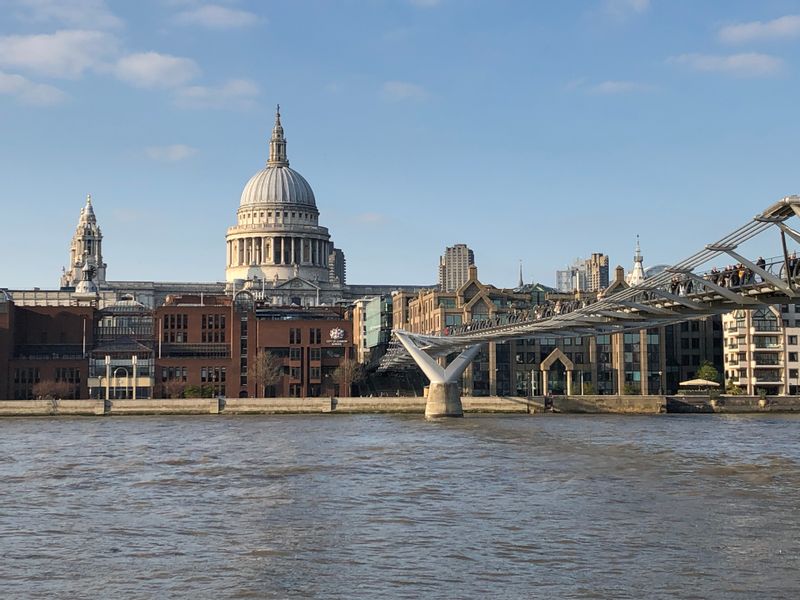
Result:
[
  {"x": 660, "y": 382},
  {"x": 108, "y": 375}
]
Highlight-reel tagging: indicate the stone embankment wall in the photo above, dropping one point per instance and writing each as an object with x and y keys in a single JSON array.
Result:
[
  {"x": 402, "y": 404},
  {"x": 732, "y": 404},
  {"x": 240, "y": 406},
  {"x": 610, "y": 404}
]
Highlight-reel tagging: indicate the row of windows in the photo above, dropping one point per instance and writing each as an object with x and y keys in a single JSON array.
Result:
[
  {"x": 176, "y": 321},
  {"x": 175, "y": 337},
  {"x": 174, "y": 374},
  {"x": 308, "y": 216},
  {"x": 26, "y": 375},
  {"x": 213, "y": 322},
  {"x": 296, "y": 335},
  {"x": 68, "y": 375},
  {"x": 296, "y": 373},
  {"x": 212, "y": 374},
  {"x": 295, "y": 353},
  {"x": 213, "y": 337}
]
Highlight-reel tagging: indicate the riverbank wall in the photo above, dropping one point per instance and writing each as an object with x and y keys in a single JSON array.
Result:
[
  {"x": 594, "y": 404},
  {"x": 732, "y": 404},
  {"x": 244, "y": 406},
  {"x": 598, "y": 404}
]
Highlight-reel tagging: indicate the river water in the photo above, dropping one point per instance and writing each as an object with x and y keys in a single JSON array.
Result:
[{"x": 696, "y": 506}]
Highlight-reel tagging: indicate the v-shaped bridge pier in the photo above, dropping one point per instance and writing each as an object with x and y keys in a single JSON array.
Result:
[{"x": 444, "y": 393}]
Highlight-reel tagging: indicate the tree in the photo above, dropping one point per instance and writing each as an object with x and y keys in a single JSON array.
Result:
[
  {"x": 51, "y": 390},
  {"x": 732, "y": 389},
  {"x": 199, "y": 391},
  {"x": 346, "y": 374},
  {"x": 266, "y": 370},
  {"x": 707, "y": 372},
  {"x": 173, "y": 388}
]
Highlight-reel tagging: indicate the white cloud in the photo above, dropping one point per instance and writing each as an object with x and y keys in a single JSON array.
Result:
[
  {"x": 751, "y": 64},
  {"x": 619, "y": 87},
  {"x": 29, "y": 92},
  {"x": 781, "y": 28},
  {"x": 172, "y": 153},
  {"x": 90, "y": 14},
  {"x": 622, "y": 9},
  {"x": 397, "y": 91},
  {"x": 66, "y": 53},
  {"x": 371, "y": 218},
  {"x": 213, "y": 16},
  {"x": 151, "y": 69},
  {"x": 236, "y": 93}
]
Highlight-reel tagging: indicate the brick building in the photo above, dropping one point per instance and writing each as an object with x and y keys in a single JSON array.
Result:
[{"x": 190, "y": 345}]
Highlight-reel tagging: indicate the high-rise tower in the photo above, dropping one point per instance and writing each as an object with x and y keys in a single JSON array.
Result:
[{"x": 454, "y": 267}]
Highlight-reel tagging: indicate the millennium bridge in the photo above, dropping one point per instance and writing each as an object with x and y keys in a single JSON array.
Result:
[{"x": 689, "y": 289}]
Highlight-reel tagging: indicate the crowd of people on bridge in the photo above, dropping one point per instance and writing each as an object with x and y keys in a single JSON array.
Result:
[
  {"x": 549, "y": 308},
  {"x": 732, "y": 276},
  {"x": 735, "y": 275}
]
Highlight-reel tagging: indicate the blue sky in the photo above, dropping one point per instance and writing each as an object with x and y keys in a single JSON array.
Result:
[{"x": 539, "y": 131}]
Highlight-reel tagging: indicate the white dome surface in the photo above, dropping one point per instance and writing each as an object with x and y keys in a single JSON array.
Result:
[{"x": 278, "y": 185}]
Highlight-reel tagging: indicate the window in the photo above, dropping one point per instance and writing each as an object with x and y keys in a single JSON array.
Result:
[
  {"x": 314, "y": 354},
  {"x": 314, "y": 373},
  {"x": 174, "y": 328},
  {"x": 294, "y": 372},
  {"x": 295, "y": 353},
  {"x": 793, "y": 340},
  {"x": 294, "y": 335},
  {"x": 314, "y": 336},
  {"x": 793, "y": 356},
  {"x": 295, "y": 390},
  {"x": 174, "y": 374}
]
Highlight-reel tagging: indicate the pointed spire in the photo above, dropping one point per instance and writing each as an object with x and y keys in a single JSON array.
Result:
[
  {"x": 520, "y": 273},
  {"x": 277, "y": 143},
  {"x": 637, "y": 275},
  {"x": 87, "y": 212}
]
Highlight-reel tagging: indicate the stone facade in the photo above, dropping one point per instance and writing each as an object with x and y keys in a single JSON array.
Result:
[{"x": 761, "y": 349}]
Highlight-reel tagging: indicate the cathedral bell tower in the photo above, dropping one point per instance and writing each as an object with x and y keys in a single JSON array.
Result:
[{"x": 85, "y": 250}]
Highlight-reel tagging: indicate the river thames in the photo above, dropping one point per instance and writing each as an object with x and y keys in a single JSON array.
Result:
[{"x": 383, "y": 506}]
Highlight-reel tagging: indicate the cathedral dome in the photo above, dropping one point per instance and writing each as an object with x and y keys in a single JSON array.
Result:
[{"x": 278, "y": 185}]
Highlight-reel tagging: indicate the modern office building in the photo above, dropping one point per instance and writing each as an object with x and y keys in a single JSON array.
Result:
[
  {"x": 454, "y": 267},
  {"x": 584, "y": 275},
  {"x": 596, "y": 272}
]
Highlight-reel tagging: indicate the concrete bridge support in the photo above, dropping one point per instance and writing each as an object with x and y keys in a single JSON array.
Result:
[{"x": 444, "y": 395}]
